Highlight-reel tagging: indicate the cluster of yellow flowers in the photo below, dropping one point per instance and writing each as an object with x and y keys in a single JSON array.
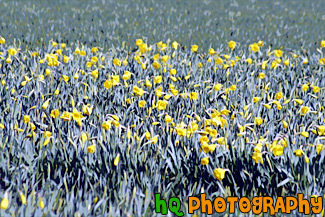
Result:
[{"x": 163, "y": 81}]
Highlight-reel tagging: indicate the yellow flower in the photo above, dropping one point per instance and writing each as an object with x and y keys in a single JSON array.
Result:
[
  {"x": 65, "y": 78},
  {"x": 94, "y": 49},
  {"x": 139, "y": 42},
  {"x": 285, "y": 124},
  {"x": 304, "y": 134},
  {"x": 2, "y": 126},
  {"x": 211, "y": 51},
  {"x": 219, "y": 173},
  {"x": 304, "y": 110},
  {"x": 138, "y": 90},
  {"x": 322, "y": 43},
  {"x": 47, "y": 141},
  {"x": 66, "y": 116},
  {"x": 256, "y": 99},
  {"x": 249, "y": 61},
  {"x": 193, "y": 96},
  {"x": 82, "y": 53},
  {"x": 232, "y": 45},
  {"x": 154, "y": 139},
  {"x": 45, "y": 104},
  {"x": 258, "y": 157},
  {"x": 22, "y": 198},
  {"x": 95, "y": 73},
  {"x": 5, "y": 201},
  {"x": 319, "y": 148},
  {"x": 142, "y": 103},
  {"x": 87, "y": 110},
  {"x": 66, "y": 59},
  {"x": 255, "y": 48},
  {"x": 299, "y": 152},
  {"x": 233, "y": 87},
  {"x": 161, "y": 104},
  {"x": 278, "y": 53},
  {"x": 47, "y": 72},
  {"x": 173, "y": 72},
  {"x": 117, "y": 160},
  {"x": 299, "y": 101},
  {"x": 175, "y": 45},
  {"x": 305, "y": 87},
  {"x": 127, "y": 75},
  {"x": 286, "y": 62},
  {"x": 168, "y": 119},
  {"x": 278, "y": 96},
  {"x": 156, "y": 65},
  {"x": 41, "y": 203},
  {"x": 194, "y": 48},
  {"x": 148, "y": 135},
  {"x": 258, "y": 120},
  {"x": 47, "y": 134},
  {"x": 117, "y": 62},
  {"x": 277, "y": 150},
  {"x": 107, "y": 125},
  {"x": 84, "y": 137},
  {"x": 306, "y": 159},
  {"x": 217, "y": 87},
  {"x": 205, "y": 161},
  {"x": 26, "y": 119},
  {"x": 158, "y": 79},
  {"x": 91, "y": 149},
  {"x": 321, "y": 130},
  {"x": 2, "y": 40},
  {"x": 315, "y": 89}
]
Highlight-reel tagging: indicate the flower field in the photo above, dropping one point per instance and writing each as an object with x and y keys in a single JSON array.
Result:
[{"x": 91, "y": 130}]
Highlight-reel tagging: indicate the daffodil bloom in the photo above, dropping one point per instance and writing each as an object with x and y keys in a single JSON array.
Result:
[
  {"x": 91, "y": 149},
  {"x": 278, "y": 96},
  {"x": 321, "y": 130},
  {"x": 148, "y": 135},
  {"x": 304, "y": 110},
  {"x": 285, "y": 124},
  {"x": 319, "y": 148},
  {"x": 83, "y": 137},
  {"x": 138, "y": 90},
  {"x": 278, "y": 53},
  {"x": 255, "y": 48},
  {"x": 256, "y": 99},
  {"x": 175, "y": 45},
  {"x": 154, "y": 139},
  {"x": 2, "y": 40},
  {"x": 258, "y": 120},
  {"x": 232, "y": 45},
  {"x": 194, "y": 48},
  {"x": 161, "y": 105},
  {"x": 107, "y": 125},
  {"x": 45, "y": 104},
  {"x": 277, "y": 150},
  {"x": 257, "y": 157},
  {"x": 249, "y": 61},
  {"x": 219, "y": 173},
  {"x": 158, "y": 79},
  {"x": 305, "y": 87},
  {"x": 142, "y": 103},
  {"x": 299, "y": 152},
  {"x": 211, "y": 51},
  {"x": 22, "y": 198},
  {"x": 304, "y": 134},
  {"x": 26, "y": 119},
  {"x": 117, "y": 160},
  {"x": 65, "y": 78},
  {"x": 66, "y": 116},
  {"x": 205, "y": 161},
  {"x": 315, "y": 89},
  {"x": 5, "y": 201}
]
